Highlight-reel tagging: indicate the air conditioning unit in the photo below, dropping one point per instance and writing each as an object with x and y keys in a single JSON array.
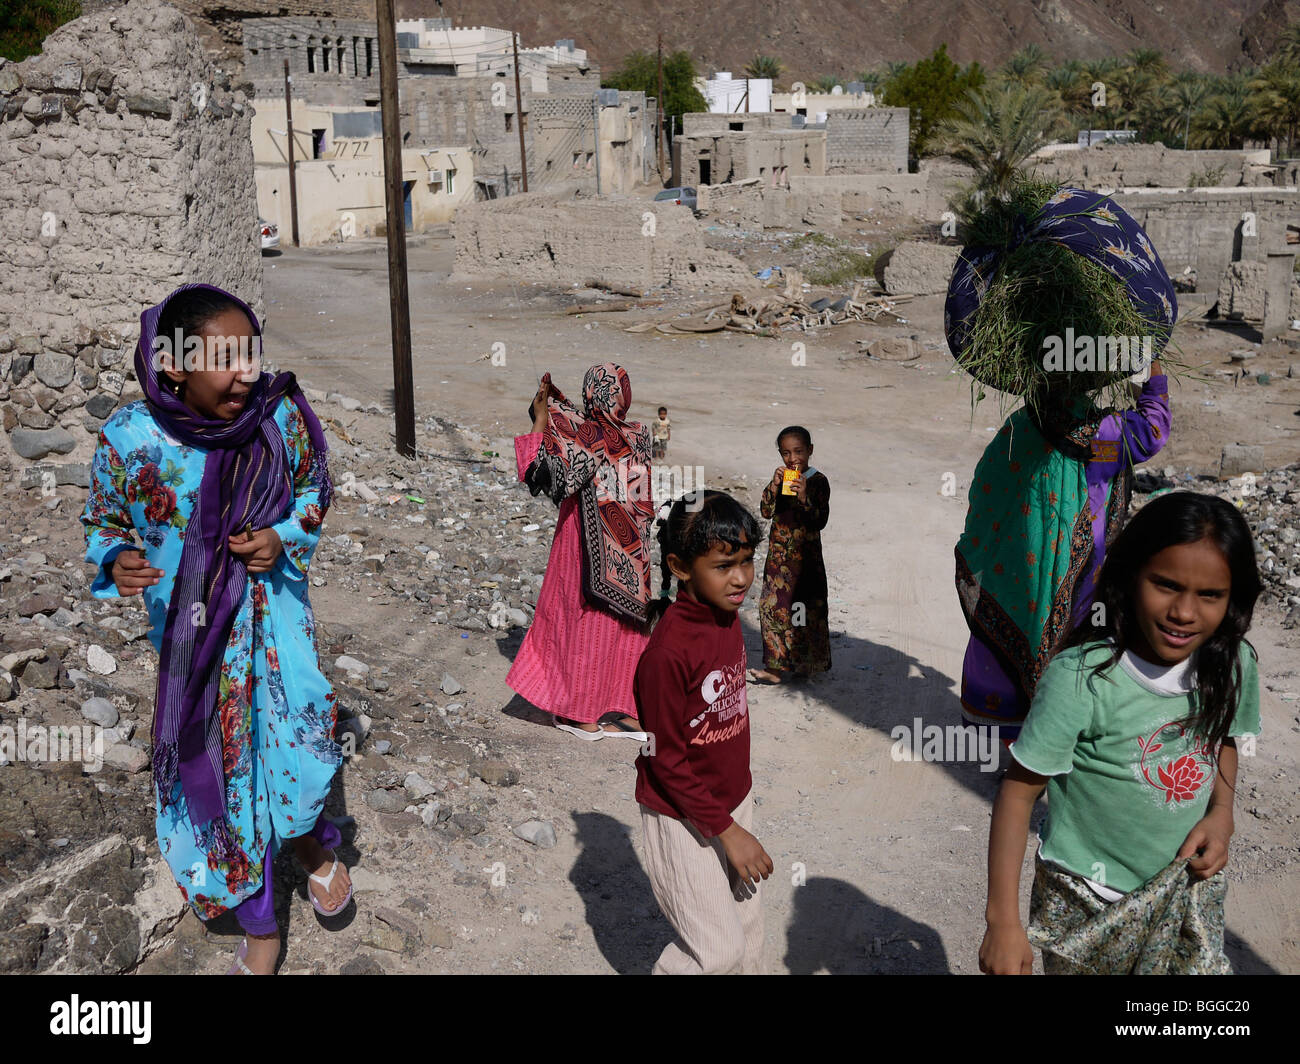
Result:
[{"x": 435, "y": 177}]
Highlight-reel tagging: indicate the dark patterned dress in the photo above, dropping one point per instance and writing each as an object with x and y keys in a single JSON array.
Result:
[{"x": 792, "y": 610}]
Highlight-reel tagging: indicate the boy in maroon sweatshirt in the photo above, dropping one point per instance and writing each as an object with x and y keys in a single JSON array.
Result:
[{"x": 693, "y": 781}]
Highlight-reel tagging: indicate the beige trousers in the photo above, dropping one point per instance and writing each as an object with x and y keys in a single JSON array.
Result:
[{"x": 719, "y": 928}]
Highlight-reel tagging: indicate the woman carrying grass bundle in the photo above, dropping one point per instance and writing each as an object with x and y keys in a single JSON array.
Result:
[{"x": 1050, "y": 267}]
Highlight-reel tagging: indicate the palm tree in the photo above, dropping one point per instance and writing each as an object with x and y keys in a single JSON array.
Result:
[
  {"x": 1225, "y": 121},
  {"x": 996, "y": 128},
  {"x": 1101, "y": 69},
  {"x": 1189, "y": 92},
  {"x": 763, "y": 66},
  {"x": 1288, "y": 43},
  {"x": 1135, "y": 87},
  {"x": 1275, "y": 100},
  {"x": 1148, "y": 60},
  {"x": 1073, "y": 84},
  {"x": 824, "y": 83},
  {"x": 872, "y": 80},
  {"x": 1026, "y": 66}
]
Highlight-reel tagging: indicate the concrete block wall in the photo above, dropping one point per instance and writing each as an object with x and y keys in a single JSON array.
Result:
[
  {"x": 566, "y": 238},
  {"x": 221, "y": 24},
  {"x": 706, "y": 122},
  {"x": 867, "y": 140},
  {"x": 736, "y": 156},
  {"x": 270, "y": 41},
  {"x": 1208, "y": 229},
  {"x": 126, "y": 170}
]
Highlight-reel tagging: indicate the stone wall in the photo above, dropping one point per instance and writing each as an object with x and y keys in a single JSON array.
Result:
[
  {"x": 923, "y": 196},
  {"x": 125, "y": 171},
  {"x": 565, "y": 238},
  {"x": 1152, "y": 166},
  {"x": 921, "y": 269},
  {"x": 1208, "y": 229},
  {"x": 870, "y": 140},
  {"x": 752, "y": 204}
]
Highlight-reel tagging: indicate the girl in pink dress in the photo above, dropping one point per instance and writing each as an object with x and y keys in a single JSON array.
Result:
[{"x": 578, "y": 659}]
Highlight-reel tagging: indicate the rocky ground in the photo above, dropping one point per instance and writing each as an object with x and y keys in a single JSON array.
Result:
[{"x": 482, "y": 840}]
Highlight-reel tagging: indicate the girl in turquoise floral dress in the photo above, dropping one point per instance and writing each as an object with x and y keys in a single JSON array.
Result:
[{"x": 220, "y": 472}]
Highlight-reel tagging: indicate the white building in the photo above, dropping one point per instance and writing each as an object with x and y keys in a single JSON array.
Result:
[
  {"x": 434, "y": 46},
  {"x": 727, "y": 95}
]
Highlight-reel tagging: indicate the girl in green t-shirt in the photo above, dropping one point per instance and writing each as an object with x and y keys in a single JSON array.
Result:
[{"x": 1131, "y": 732}]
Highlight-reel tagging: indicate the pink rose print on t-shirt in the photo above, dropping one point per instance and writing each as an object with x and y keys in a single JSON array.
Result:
[{"x": 1181, "y": 779}]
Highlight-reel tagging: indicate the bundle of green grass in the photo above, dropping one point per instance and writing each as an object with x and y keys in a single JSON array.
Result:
[{"x": 1041, "y": 297}]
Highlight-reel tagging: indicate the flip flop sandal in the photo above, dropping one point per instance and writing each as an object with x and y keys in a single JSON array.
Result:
[
  {"x": 239, "y": 967},
  {"x": 325, "y": 882},
  {"x": 586, "y": 736},
  {"x": 752, "y": 676},
  {"x": 625, "y": 731}
]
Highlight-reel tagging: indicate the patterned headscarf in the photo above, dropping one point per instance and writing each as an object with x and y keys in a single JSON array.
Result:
[
  {"x": 605, "y": 458},
  {"x": 247, "y": 482},
  {"x": 1089, "y": 224}
]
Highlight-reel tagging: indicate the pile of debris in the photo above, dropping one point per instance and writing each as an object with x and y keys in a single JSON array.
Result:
[
  {"x": 1270, "y": 502},
  {"x": 767, "y": 315}
]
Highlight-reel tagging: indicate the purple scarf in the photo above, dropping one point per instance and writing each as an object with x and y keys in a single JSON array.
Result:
[{"x": 247, "y": 481}]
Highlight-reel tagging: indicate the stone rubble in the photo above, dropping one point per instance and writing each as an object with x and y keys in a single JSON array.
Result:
[{"x": 461, "y": 542}]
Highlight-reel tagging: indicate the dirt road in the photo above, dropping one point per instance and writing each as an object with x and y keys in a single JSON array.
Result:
[{"x": 880, "y": 862}]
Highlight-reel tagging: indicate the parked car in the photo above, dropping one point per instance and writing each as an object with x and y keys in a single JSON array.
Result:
[
  {"x": 684, "y": 196},
  {"x": 270, "y": 235}
]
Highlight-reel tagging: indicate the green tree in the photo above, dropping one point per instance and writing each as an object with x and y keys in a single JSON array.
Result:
[
  {"x": 1190, "y": 92},
  {"x": 872, "y": 80},
  {"x": 1073, "y": 85},
  {"x": 1275, "y": 100},
  {"x": 1149, "y": 61},
  {"x": 1136, "y": 88},
  {"x": 824, "y": 83},
  {"x": 25, "y": 24},
  {"x": 764, "y": 66},
  {"x": 1288, "y": 43},
  {"x": 1225, "y": 121},
  {"x": 996, "y": 128},
  {"x": 640, "y": 73},
  {"x": 930, "y": 89},
  {"x": 1025, "y": 67}
]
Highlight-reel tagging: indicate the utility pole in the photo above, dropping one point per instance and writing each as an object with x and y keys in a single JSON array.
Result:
[
  {"x": 660, "y": 110},
  {"x": 403, "y": 387},
  {"x": 519, "y": 114},
  {"x": 293, "y": 183},
  {"x": 595, "y": 122}
]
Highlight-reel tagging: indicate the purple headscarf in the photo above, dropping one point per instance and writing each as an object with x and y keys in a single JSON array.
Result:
[{"x": 247, "y": 481}]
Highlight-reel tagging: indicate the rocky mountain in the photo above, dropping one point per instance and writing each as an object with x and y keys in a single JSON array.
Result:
[{"x": 814, "y": 37}]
